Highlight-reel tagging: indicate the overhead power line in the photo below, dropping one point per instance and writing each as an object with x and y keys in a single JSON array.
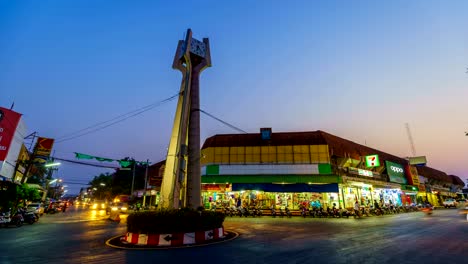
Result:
[
  {"x": 101, "y": 125},
  {"x": 75, "y": 183},
  {"x": 222, "y": 121}
]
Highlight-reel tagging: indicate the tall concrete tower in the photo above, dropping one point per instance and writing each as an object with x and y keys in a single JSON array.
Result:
[{"x": 181, "y": 184}]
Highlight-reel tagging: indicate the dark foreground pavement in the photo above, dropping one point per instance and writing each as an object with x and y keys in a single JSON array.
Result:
[{"x": 79, "y": 237}]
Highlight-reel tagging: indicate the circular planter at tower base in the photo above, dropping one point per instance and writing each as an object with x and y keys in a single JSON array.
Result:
[
  {"x": 168, "y": 241},
  {"x": 176, "y": 239}
]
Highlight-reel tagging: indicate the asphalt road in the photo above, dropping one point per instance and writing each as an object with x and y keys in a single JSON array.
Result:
[{"x": 78, "y": 236}]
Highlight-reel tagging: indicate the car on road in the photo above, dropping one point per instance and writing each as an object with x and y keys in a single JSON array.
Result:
[
  {"x": 37, "y": 208},
  {"x": 98, "y": 205},
  {"x": 117, "y": 207},
  {"x": 450, "y": 202}
]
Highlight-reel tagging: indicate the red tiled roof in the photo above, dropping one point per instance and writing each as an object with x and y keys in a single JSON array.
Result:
[
  {"x": 456, "y": 180},
  {"x": 431, "y": 173},
  {"x": 277, "y": 139}
]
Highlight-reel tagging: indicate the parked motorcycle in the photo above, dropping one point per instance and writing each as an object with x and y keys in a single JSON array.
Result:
[
  {"x": 281, "y": 213},
  {"x": 303, "y": 211},
  {"x": 288, "y": 212},
  {"x": 28, "y": 217},
  {"x": 273, "y": 211},
  {"x": 6, "y": 219},
  {"x": 257, "y": 211}
]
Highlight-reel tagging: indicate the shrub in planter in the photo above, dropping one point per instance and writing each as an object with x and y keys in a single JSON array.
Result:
[{"x": 168, "y": 221}]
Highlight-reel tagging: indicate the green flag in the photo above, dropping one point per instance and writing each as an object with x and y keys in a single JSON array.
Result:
[
  {"x": 124, "y": 163},
  {"x": 103, "y": 159},
  {"x": 83, "y": 156}
]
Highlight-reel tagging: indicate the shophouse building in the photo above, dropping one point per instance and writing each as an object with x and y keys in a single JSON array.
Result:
[{"x": 289, "y": 169}]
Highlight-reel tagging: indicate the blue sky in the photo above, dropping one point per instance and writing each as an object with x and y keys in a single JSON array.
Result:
[{"x": 356, "y": 69}]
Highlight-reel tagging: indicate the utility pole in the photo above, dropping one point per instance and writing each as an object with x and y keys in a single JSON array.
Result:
[{"x": 146, "y": 183}]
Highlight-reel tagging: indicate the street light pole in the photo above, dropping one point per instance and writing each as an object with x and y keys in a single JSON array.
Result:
[
  {"x": 133, "y": 178},
  {"x": 146, "y": 183}
]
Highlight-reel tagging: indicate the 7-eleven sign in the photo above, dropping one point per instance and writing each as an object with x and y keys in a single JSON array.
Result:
[{"x": 372, "y": 161}]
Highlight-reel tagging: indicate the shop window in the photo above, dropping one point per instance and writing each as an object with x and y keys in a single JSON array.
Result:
[
  {"x": 268, "y": 154},
  {"x": 285, "y": 154},
  {"x": 252, "y": 154},
  {"x": 237, "y": 155},
  {"x": 301, "y": 154},
  {"x": 207, "y": 156}
]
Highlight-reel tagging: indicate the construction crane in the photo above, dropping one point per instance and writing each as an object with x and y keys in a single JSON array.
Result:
[{"x": 410, "y": 138}]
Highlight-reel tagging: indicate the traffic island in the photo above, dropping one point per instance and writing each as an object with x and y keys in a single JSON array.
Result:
[{"x": 173, "y": 228}]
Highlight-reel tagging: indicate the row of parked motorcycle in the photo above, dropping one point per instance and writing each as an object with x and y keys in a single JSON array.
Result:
[
  {"x": 19, "y": 218},
  {"x": 332, "y": 212},
  {"x": 254, "y": 211}
]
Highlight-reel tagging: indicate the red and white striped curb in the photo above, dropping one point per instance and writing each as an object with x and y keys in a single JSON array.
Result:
[{"x": 176, "y": 239}]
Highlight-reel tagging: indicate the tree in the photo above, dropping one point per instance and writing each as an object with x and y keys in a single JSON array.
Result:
[
  {"x": 122, "y": 179},
  {"x": 101, "y": 186}
]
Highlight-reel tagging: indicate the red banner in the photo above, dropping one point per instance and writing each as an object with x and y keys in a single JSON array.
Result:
[{"x": 8, "y": 123}]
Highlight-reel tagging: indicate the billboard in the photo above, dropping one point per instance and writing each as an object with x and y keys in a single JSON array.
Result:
[
  {"x": 412, "y": 175},
  {"x": 12, "y": 131},
  {"x": 44, "y": 146},
  {"x": 418, "y": 161},
  {"x": 8, "y": 123},
  {"x": 395, "y": 172}
]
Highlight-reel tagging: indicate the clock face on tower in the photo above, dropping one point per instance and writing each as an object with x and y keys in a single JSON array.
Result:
[{"x": 198, "y": 48}]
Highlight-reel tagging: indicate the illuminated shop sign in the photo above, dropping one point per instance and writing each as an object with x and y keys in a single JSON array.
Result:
[
  {"x": 396, "y": 172},
  {"x": 360, "y": 172},
  {"x": 412, "y": 175},
  {"x": 372, "y": 161},
  {"x": 365, "y": 173}
]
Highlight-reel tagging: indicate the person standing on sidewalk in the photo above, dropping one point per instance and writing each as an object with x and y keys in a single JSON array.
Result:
[{"x": 356, "y": 209}]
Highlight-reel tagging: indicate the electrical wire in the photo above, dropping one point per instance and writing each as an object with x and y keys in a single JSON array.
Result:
[
  {"x": 121, "y": 118},
  {"x": 222, "y": 121},
  {"x": 117, "y": 117},
  {"x": 75, "y": 183}
]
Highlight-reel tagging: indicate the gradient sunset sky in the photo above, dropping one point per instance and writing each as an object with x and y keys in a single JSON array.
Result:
[{"x": 357, "y": 69}]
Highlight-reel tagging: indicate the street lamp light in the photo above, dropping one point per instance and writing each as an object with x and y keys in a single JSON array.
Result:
[
  {"x": 102, "y": 184},
  {"x": 52, "y": 164}
]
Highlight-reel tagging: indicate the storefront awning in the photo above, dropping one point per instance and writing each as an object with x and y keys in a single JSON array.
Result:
[{"x": 294, "y": 188}]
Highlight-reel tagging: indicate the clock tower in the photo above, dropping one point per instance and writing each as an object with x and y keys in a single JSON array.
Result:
[{"x": 181, "y": 184}]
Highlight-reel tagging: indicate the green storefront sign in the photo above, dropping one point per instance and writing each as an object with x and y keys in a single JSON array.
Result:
[{"x": 396, "y": 172}]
